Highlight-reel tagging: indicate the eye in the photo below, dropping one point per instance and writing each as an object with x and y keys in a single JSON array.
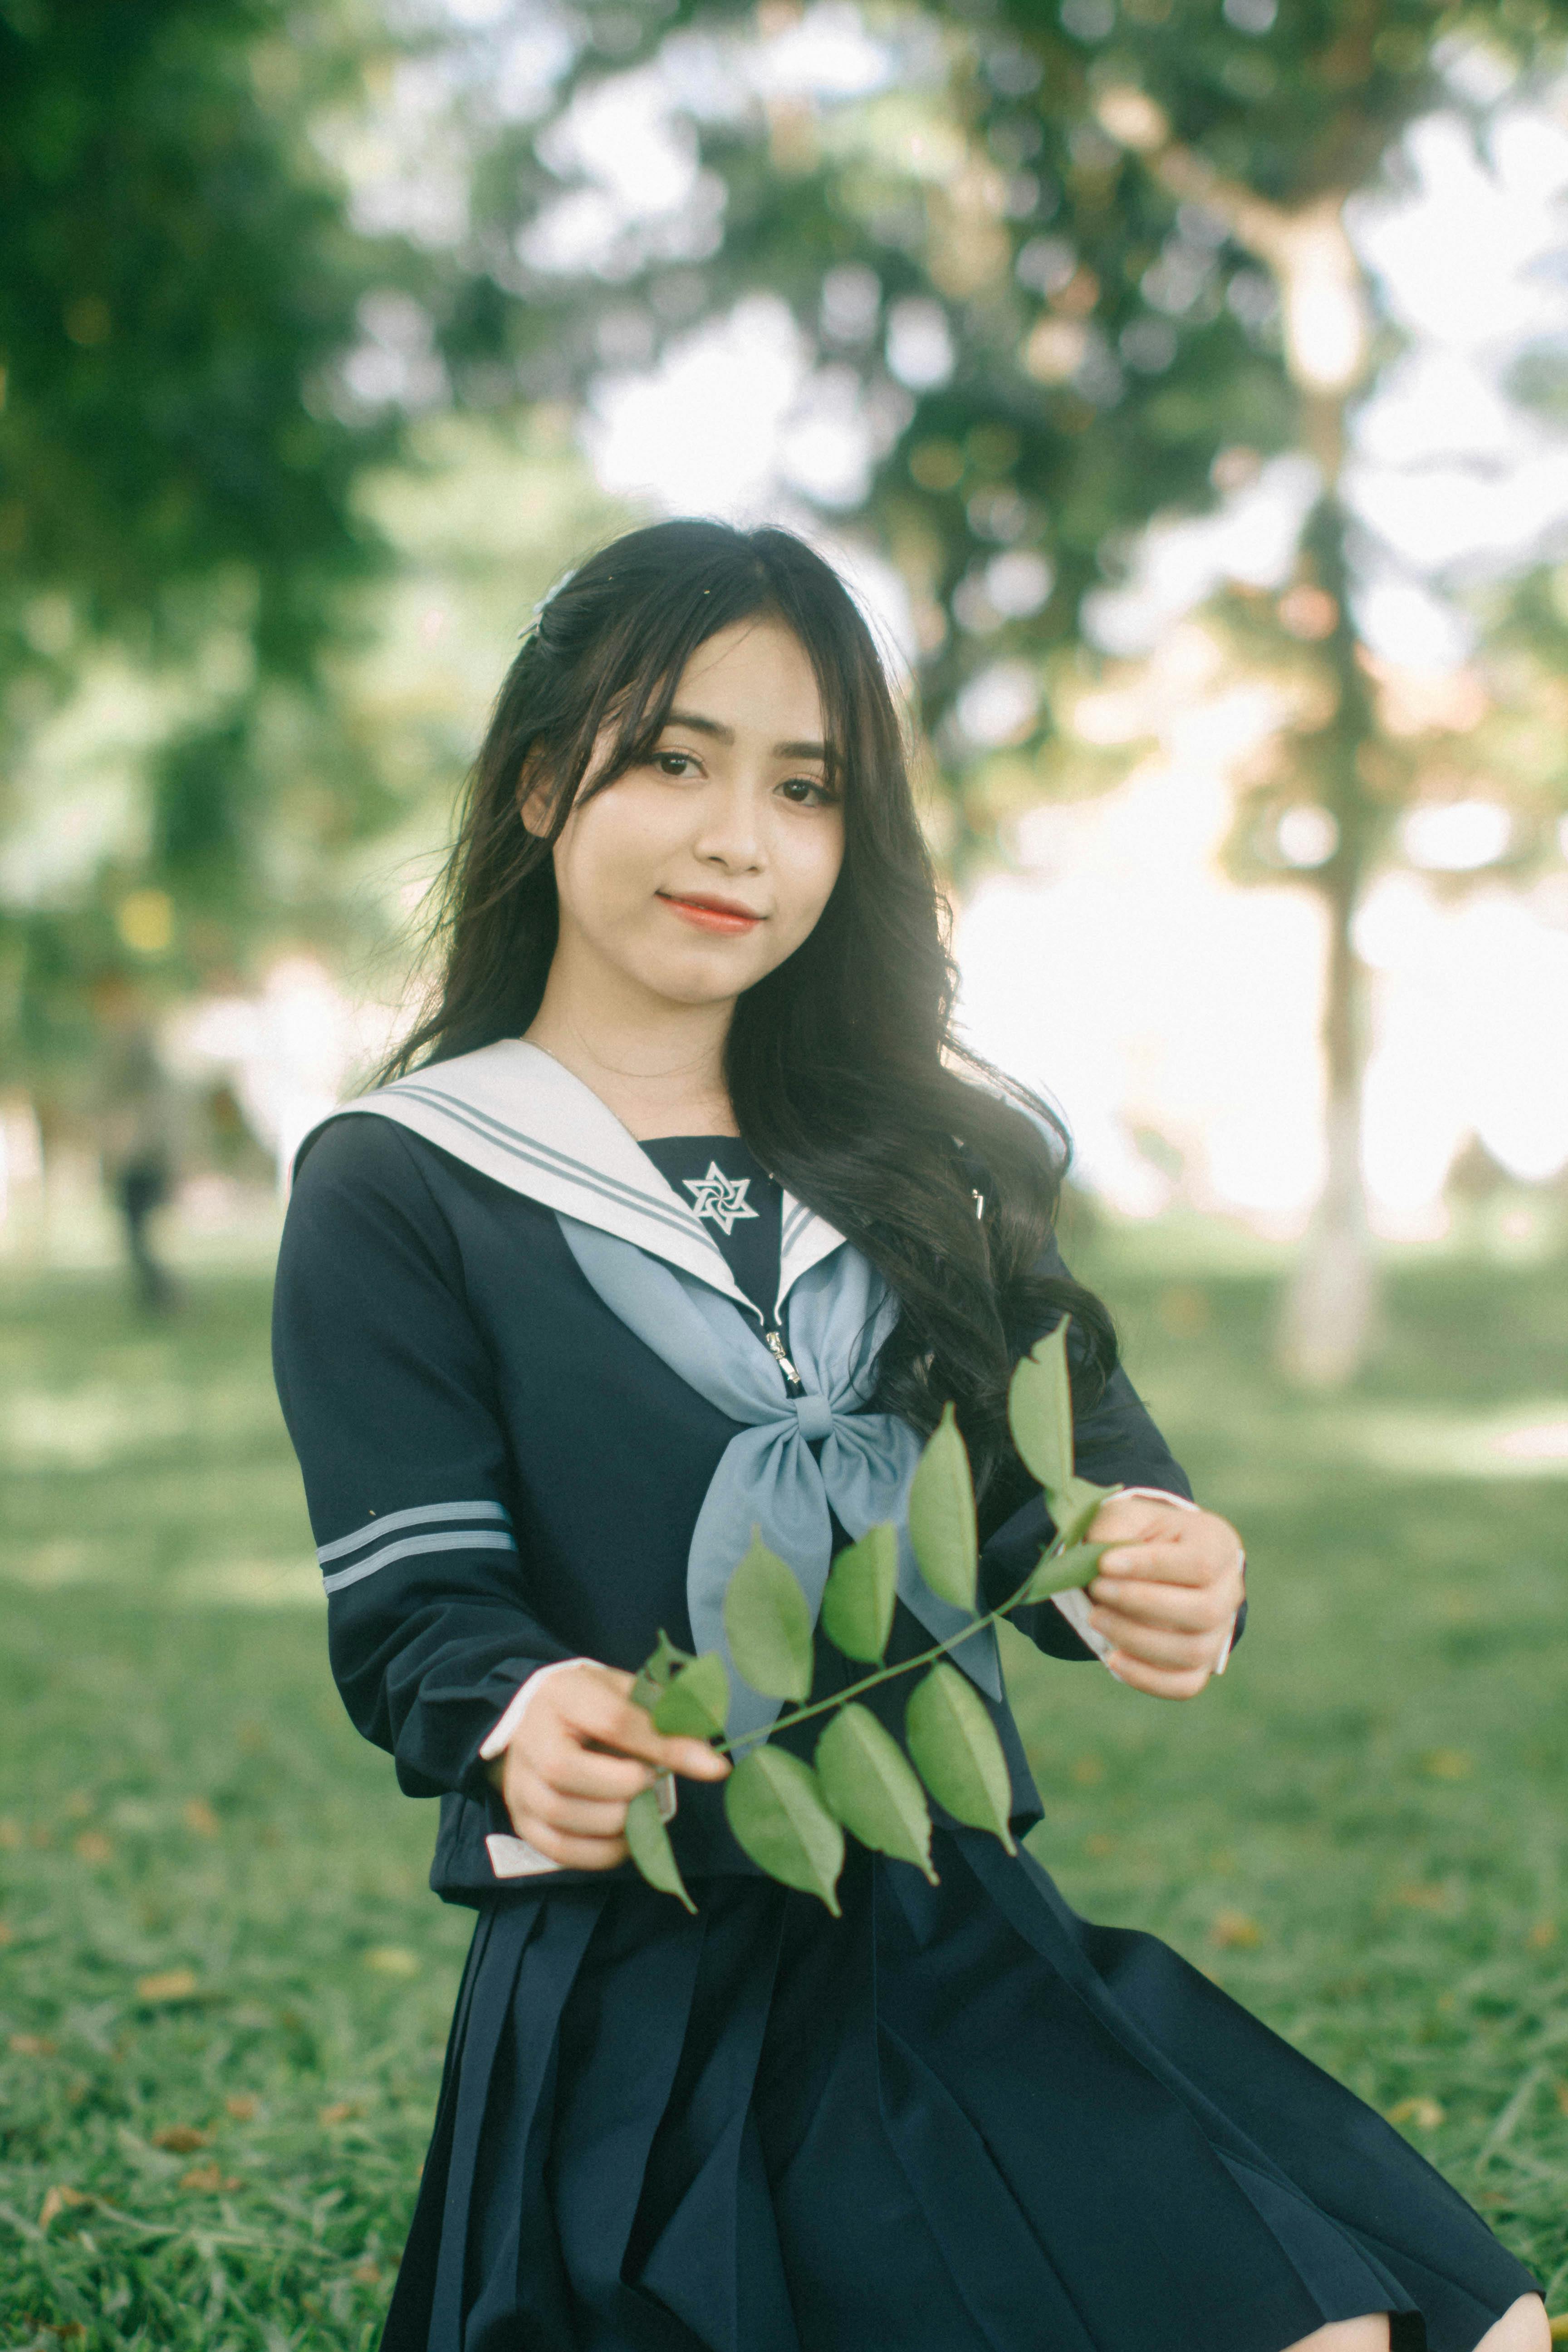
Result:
[
  {"x": 674, "y": 763},
  {"x": 808, "y": 792}
]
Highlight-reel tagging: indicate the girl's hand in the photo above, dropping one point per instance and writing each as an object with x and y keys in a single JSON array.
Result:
[
  {"x": 582, "y": 1753},
  {"x": 1165, "y": 1592}
]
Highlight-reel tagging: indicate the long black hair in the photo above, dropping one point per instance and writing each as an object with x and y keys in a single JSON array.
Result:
[{"x": 842, "y": 1067}]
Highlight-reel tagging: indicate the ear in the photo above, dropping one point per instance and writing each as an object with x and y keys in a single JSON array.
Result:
[{"x": 533, "y": 798}]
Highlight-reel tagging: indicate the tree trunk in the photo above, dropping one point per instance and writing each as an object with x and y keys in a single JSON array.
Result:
[{"x": 1329, "y": 1312}]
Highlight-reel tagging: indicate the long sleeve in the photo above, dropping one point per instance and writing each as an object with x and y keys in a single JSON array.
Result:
[
  {"x": 1115, "y": 1444},
  {"x": 388, "y": 1390}
]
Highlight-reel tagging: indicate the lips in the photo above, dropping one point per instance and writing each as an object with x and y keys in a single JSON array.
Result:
[{"x": 709, "y": 914}]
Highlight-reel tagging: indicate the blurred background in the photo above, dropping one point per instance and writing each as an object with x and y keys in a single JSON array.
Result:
[{"x": 1181, "y": 385}]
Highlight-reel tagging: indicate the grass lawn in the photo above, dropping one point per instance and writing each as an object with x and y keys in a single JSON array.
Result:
[{"x": 224, "y": 1985}]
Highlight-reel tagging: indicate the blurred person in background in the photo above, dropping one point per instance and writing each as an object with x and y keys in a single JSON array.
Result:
[{"x": 137, "y": 1113}]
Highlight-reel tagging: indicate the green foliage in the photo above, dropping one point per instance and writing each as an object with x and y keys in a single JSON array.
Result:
[
  {"x": 1057, "y": 1570},
  {"x": 658, "y": 1670},
  {"x": 861, "y": 1590},
  {"x": 176, "y": 278},
  {"x": 775, "y": 1806},
  {"x": 868, "y": 1782},
  {"x": 768, "y": 1625},
  {"x": 959, "y": 1756},
  {"x": 942, "y": 1515},
  {"x": 695, "y": 1701},
  {"x": 649, "y": 1842},
  {"x": 862, "y": 1776}
]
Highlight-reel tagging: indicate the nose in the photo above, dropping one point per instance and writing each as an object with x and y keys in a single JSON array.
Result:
[{"x": 730, "y": 832}]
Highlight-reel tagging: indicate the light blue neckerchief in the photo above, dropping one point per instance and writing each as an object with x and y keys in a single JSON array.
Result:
[{"x": 768, "y": 1477}]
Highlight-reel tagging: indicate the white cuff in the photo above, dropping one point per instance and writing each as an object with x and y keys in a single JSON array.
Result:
[
  {"x": 498, "y": 1738},
  {"x": 1075, "y": 1604}
]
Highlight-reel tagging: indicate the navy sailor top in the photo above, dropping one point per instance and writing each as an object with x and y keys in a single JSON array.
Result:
[{"x": 500, "y": 1474}]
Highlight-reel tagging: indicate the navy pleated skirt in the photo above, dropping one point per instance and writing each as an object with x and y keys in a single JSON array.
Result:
[{"x": 960, "y": 2118}]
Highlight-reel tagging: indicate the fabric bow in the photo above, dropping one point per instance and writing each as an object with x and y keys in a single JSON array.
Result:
[{"x": 797, "y": 1461}]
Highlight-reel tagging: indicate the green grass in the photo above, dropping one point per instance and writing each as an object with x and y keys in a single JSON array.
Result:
[{"x": 1359, "y": 1830}]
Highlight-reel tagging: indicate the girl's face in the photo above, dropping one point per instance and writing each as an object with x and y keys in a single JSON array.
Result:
[{"x": 699, "y": 870}]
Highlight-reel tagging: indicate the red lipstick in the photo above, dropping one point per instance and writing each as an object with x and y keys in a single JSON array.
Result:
[{"x": 728, "y": 916}]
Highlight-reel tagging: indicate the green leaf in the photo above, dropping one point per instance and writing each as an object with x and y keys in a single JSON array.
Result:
[
  {"x": 768, "y": 1624},
  {"x": 695, "y": 1704},
  {"x": 954, "y": 1745},
  {"x": 656, "y": 1671},
  {"x": 871, "y": 1784},
  {"x": 648, "y": 1841},
  {"x": 1040, "y": 1410},
  {"x": 1058, "y": 1569},
  {"x": 858, "y": 1603},
  {"x": 942, "y": 1515},
  {"x": 1073, "y": 1509},
  {"x": 775, "y": 1806}
]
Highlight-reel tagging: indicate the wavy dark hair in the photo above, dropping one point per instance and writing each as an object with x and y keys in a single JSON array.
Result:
[{"x": 843, "y": 1069}]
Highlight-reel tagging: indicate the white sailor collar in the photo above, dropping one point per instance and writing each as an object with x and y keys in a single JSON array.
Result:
[{"x": 516, "y": 1114}]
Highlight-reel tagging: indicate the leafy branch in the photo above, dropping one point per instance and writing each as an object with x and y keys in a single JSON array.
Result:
[{"x": 790, "y": 1816}]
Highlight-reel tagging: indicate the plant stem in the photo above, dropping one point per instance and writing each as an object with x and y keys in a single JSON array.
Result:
[{"x": 886, "y": 1673}]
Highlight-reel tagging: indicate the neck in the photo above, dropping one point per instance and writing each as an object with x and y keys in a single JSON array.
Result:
[{"x": 659, "y": 1066}]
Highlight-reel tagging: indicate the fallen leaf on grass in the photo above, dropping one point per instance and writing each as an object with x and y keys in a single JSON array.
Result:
[
  {"x": 1424, "y": 2114},
  {"x": 1560, "y": 2092},
  {"x": 1086, "y": 1771},
  {"x": 1235, "y": 1931},
  {"x": 1423, "y": 1898},
  {"x": 341, "y": 2110},
  {"x": 365, "y": 2275},
  {"x": 1098, "y": 1842},
  {"x": 92, "y": 1846},
  {"x": 182, "y": 2140},
  {"x": 1559, "y": 2326},
  {"x": 167, "y": 1984},
  {"x": 77, "y": 1805},
  {"x": 200, "y": 1818},
  {"x": 391, "y": 1960},
  {"x": 7, "y": 1933},
  {"x": 57, "y": 2199},
  {"x": 31, "y": 2045},
  {"x": 66, "y": 2331},
  {"x": 1542, "y": 1935},
  {"x": 206, "y": 2179},
  {"x": 241, "y": 2106},
  {"x": 10, "y": 1834},
  {"x": 1447, "y": 1763}
]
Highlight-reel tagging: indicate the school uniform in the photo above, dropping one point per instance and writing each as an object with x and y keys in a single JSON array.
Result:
[{"x": 956, "y": 2117}]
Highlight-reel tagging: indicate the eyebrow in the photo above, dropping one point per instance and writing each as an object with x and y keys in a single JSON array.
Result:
[{"x": 722, "y": 734}]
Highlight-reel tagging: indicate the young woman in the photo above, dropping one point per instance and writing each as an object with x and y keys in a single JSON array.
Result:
[{"x": 686, "y": 1211}]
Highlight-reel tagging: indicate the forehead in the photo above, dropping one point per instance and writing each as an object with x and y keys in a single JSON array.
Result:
[{"x": 757, "y": 678}]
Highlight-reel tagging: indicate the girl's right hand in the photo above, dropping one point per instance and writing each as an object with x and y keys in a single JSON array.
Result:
[{"x": 582, "y": 1753}]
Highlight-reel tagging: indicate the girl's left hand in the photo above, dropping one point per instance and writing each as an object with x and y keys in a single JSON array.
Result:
[{"x": 1165, "y": 1592}]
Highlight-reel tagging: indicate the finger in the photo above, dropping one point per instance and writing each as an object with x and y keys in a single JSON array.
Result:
[
  {"x": 573, "y": 1852},
  {"x": 596, "y": 1713},
  {"x": 1159, "y": 1682},
  {"x": 1179, "y": 1608},
  {"x": 592, "y": 1817},
  {"x": 565, "y": 1764},
  {"x": 1154, "y": 1646},
  {"x": 1161, "y": 1557}
]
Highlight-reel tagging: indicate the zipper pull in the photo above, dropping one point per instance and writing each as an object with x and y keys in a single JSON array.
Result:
[{"x": 775, "y": 1342}]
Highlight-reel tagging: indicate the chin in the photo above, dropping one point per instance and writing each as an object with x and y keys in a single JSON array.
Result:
[{"x": 705, "y": 978}]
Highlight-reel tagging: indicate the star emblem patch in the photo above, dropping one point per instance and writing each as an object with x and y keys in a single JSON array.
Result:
[{"x": 721, "y": 1197}]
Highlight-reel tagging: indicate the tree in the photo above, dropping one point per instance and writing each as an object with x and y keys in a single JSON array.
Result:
[
  {"x": 179, "y": 285},
  {"x": 1075, "y": 265}
]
